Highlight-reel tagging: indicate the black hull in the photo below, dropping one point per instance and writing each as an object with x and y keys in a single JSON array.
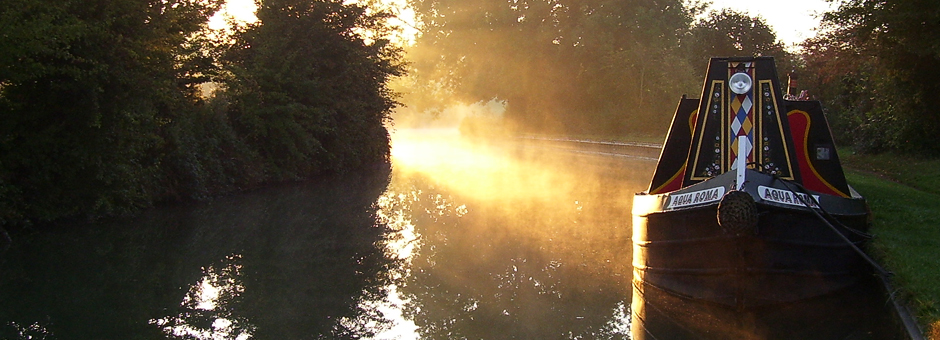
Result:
[
  {"x": 858, "y": 311},
  {"x": 791, "y": 254},
  {"x": 747, "y": 213}
]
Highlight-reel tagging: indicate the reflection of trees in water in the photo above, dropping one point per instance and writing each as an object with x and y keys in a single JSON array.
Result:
[
  {"x": 330, "y": 259},
  {"x": 282, "y": 263},
  {"x": 514, "y": 269},
  {"x": 208, "y": 310}
]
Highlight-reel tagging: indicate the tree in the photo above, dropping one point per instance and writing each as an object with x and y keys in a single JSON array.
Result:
[
  {"x": 308, "y": 90},
  {"x": 727, "y": 33},
  {"x": 576, "y": 66},
  {"x": 101, "y": 109},
  {"x": 85, "y": 87},
  {"x": 881, "y": 61}
]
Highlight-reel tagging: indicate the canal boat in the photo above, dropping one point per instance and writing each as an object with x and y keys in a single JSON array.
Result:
[{"x": 748, "y": 206}]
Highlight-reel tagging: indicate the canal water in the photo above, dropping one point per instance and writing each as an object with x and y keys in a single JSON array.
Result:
[{"x": 462, "y": 239}]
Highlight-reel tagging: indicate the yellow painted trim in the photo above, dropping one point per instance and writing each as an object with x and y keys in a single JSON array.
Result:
[
  {"x": 806, "y": 152},
  {"x": 692, "y": 118},
  {"x": 786, "y": 149},
  {"x": 701, "y": 129},
  {"x": 673, "y": 178}
]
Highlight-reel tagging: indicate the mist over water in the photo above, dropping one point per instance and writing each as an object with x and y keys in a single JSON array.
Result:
[
  {"x": 515, "y": 239},
  {"x": 464, "y": 238}
]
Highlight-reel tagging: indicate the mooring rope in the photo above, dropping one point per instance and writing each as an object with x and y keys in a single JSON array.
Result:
[
  {"x": 907, "y": 319},
  {"x": 881, "y": 271}
]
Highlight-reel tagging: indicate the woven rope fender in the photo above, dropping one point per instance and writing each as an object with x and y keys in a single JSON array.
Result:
[{"x": 737, "y": 213}]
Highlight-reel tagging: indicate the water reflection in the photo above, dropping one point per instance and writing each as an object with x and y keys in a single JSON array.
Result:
[
  {"x": 518, "y": 242},
  {"x": 211, "y": 302},
  {"x": 460, "y": 241},
  {"x": 283, "y": 263},
  {"x": 858, "y": 312}
]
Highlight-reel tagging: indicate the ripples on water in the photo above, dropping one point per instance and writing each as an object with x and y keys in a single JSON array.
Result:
[
  {"x": 462, "y": 240},
  {"x": 514, "y": 242}
]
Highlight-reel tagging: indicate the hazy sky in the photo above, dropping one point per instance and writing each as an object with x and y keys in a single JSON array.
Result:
[
  {"x": 243, "y": 10},
  {"x": 792, "y": 20}
]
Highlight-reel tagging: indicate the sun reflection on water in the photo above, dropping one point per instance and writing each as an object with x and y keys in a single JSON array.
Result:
[
  {"x": 402, "y": 240},
  {"x": 209, "y": 302},
  {"x": 498, "y": 234},
  {"x": 620, "y": 322},
  {"x": 475, "y": 232},
  {"x": 34, "y": 331},
  {"x": 401, "y": 243}
]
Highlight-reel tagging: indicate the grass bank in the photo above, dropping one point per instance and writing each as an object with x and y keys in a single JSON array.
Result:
[{"x": 904, "y": 195}]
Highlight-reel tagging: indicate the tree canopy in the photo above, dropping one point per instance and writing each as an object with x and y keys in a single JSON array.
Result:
[
  {"x": 576, "y": 66},
  {"x": 729, "y": 33},
  {"x": 87, "y": 87},
  {"x": 307, "y": 91},
  {"x": 101, "y": 109},
  {"x": 877, "y": 64}
]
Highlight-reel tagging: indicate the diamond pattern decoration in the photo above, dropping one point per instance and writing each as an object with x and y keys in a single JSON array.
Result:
[{"x": 741, "y": 114}]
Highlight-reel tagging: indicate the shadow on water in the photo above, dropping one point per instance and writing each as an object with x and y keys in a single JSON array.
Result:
[
  {"x": 489, "y": 243},
  {"x": 461, "y": 241},
  {"x": 514, "y": 241},
  {"x": 284, "y": 263},
  {"x": 858, "y": 312}
]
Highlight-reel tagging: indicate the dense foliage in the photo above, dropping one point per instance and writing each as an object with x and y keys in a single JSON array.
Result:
[
  {"x": 308, "y": 93},
  {"x": 616, "y": 67},
  {"x": 729, "y": 33},
  {"x": 101, "y": 112},
  {"x": 575, "y": 66},
  {"x": 877, "y": 67}
]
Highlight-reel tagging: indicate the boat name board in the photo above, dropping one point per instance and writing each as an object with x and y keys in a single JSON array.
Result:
[
  {"x": 695, "y": 198},
  {"x": 786, "y": 197}
]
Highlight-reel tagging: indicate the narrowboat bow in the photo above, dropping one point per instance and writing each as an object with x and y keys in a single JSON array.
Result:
[{"x": 748, "y": 205}]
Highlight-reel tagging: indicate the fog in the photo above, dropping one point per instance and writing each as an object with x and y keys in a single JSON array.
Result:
[{"x": 507, "y": 236}]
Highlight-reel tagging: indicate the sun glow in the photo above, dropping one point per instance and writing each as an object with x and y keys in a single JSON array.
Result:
[
  {"x": 240, "y": 12},
  {"x": 404, "y": 21},
  {"x": 507, "y": 174},
  {"x": 235, "y": 12},
  {"x": 432, "y": 150},
  {"x": 793, "y": 21},
  {"x": 452, "y": 161},
  {"x": 217, "y": 288}
]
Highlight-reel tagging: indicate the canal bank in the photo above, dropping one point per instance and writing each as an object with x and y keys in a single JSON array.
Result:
[
  {"x": 904, "y": 195},
  {"x": 463, "y": 240}
]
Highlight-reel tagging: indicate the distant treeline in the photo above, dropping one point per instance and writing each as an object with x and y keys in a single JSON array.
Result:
[
  {"x": 618, "y": 67},
  {"x": 103, "y": 107},
  {"x": 876, "y": 66},
  {"x": 600, "y": 67}
]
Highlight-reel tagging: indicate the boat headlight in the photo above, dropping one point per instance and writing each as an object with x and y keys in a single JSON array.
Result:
[{"x": 740, "y": 83}]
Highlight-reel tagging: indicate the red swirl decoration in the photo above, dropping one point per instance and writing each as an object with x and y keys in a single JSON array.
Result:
[{"x": 812, "y": 180}]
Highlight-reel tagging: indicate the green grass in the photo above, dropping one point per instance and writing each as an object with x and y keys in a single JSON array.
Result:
[
  {"x": 904, "y": 195},
  {"x": 918, "y": 173}
]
